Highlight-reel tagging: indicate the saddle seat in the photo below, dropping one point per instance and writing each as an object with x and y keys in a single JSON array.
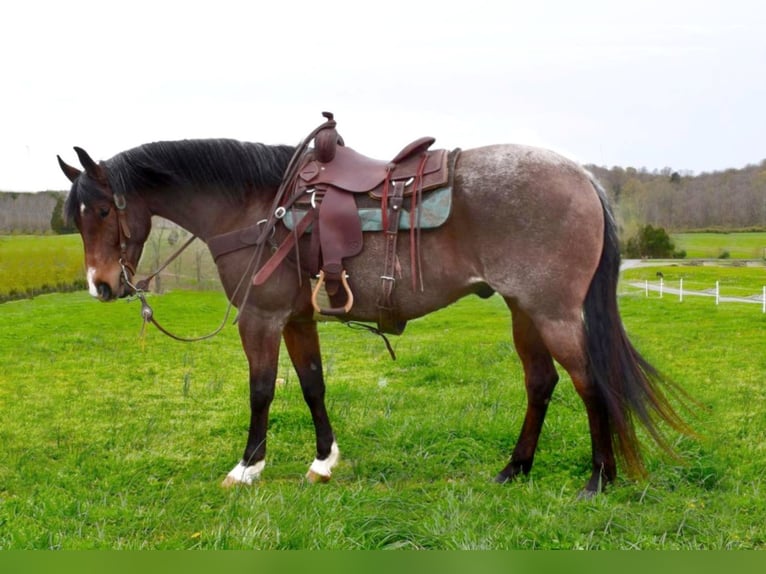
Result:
[{"x": 353, "y": 172}]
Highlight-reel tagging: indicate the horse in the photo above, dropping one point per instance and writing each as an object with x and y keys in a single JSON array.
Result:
[{"x": 527, "y": 225}]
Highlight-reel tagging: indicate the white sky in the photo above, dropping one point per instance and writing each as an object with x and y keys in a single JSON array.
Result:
[{"x": 646, "y": 83}]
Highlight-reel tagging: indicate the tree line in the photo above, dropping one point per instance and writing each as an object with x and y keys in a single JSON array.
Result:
[
  {"x": 729, "y": 200},
  {"x": 675, "y": 201}
]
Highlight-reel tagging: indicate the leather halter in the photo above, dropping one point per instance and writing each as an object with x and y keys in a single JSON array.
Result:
[{"x": 123, "y": 230}]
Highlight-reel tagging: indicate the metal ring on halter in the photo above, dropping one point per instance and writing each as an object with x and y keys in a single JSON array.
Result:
[
  {"x": 126, "y": 272},
  {"x": 279, "y": 212}
]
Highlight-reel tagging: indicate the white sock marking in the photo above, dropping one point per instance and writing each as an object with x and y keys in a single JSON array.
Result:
[
  {"x": 324, "y": 467},
  {"x": 247, "y": 474}
]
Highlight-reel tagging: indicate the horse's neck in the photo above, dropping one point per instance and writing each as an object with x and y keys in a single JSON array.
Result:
[{"x": 203, "y": 214}]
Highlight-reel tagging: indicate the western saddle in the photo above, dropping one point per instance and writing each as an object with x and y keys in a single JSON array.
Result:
[{"x": 326, "y": 182}]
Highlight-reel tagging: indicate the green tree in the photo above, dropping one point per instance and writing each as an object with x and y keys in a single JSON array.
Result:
[
  {"x": 58, "y": 224},
  {"x": 650, "y": 241}
]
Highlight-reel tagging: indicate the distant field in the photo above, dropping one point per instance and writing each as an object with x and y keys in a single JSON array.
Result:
[
  {"x": 34, "y": 264},
  {"x": 712, "y": 245}
]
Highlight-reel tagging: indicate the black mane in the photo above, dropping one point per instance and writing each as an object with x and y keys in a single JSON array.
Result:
[{"x": 235, "y": 167}]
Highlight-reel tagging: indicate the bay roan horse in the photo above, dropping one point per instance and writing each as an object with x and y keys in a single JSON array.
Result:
[{"x": 526, "y": 224}]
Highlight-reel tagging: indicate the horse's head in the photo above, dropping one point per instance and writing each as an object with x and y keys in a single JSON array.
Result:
[{"x": 113, "y": 230}]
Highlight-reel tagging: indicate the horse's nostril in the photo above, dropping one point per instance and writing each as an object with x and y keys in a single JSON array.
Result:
[{"x": 104, "y": 291}]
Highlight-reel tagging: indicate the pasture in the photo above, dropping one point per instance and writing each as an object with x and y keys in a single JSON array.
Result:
[
  {"x": 113, "y": 442},
  {"x": 34, "y": 264},
  {"x": 750, "y": 245}
]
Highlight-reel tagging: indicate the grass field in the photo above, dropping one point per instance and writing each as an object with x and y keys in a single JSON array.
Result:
[
  {"x": 34, "y": 264},
  {"x": 713, "y": 245},
  {"x": 109, "y": 442}
]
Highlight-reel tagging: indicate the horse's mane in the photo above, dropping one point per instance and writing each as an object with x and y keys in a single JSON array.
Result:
[{"x": 234, "y": 167}]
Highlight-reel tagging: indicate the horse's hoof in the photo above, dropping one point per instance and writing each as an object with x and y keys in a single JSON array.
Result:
[
  {"x": 321, "y": 470},
  {"x": 502, "y": 479},
  {"x": 586, "y": 494},
  {"x": 315, "y": 477},
  {"x": 231, "y": 482}
]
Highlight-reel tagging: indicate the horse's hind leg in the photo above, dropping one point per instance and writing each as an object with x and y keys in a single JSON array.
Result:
[
  {"x": 565, "y": 338},
  {"x": 302, "y": 342},
  {"x": 540, "y": 378}
]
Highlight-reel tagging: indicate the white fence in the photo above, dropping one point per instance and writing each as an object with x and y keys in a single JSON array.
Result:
[{"x": 677, "y": 290}]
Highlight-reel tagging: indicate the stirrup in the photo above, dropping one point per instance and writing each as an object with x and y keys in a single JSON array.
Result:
[{"x": 335, "y": 311}]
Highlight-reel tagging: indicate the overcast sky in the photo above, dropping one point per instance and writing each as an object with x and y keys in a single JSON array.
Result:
[{"x": 653, "y": 84}]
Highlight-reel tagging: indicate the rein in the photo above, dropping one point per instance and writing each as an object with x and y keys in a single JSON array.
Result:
[{"x": 147, "y": 313}]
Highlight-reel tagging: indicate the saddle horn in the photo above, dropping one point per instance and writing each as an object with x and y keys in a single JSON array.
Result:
[{"x": 327, "y": 140}]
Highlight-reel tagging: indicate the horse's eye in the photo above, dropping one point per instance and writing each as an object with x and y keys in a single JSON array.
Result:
[{"x": 103, "y": 212}]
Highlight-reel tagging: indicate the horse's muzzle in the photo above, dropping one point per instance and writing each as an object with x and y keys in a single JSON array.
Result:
[{"x": 104, "y": 292}]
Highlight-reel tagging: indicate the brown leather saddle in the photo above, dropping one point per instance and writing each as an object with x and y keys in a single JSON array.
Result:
[
  {"x": 326, "y": 183},
  {"x": 332, "y": 179}
]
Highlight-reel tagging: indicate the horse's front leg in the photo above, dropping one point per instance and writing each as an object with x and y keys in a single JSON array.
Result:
[
  {"x": 260, "y": 339},
  {"x": 302, "y": 342}
]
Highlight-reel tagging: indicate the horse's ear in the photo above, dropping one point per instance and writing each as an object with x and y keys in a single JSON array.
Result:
[
  {"x": 69, "y": 171},
  {"x": 91, "y": 167}
]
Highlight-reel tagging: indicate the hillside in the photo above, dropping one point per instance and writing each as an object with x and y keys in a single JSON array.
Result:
[{"x": 733, "y": 199}]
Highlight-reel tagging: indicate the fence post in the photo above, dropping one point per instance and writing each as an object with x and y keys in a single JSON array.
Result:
[
  {"x": 681, "y": 290},
  {"x": 646, "y": 287},
  {"x": 717, "y": 293},
  {"x": 763, "y": 307},
  {"x": 661, "y": 285}
]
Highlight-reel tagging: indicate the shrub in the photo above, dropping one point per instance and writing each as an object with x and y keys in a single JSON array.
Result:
[{"x": 651, "y": 241}]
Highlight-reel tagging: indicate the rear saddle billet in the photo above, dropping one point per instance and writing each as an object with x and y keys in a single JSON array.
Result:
[{"x": 326, "y": 181}]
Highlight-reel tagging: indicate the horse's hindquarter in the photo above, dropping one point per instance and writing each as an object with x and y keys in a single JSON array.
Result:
[{"x": 534, "y": 220}]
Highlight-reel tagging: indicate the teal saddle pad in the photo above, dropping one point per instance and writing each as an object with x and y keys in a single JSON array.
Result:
[{"x": 433, "y": 211}]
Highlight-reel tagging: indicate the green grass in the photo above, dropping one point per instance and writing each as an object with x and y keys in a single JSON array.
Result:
[
  {"x": 34, "y": 264},
  {"x": 109, "y": 442},
  {"x": 712, "y": 245}
]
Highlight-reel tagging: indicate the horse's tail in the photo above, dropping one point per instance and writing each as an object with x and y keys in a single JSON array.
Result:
[{"x": 629, "y": 386}]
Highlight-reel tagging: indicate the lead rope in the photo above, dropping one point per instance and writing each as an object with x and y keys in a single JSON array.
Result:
[{"x": 147, "y": 313}]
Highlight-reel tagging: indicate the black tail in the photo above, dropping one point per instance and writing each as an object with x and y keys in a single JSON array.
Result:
[{"x": 630, "y": 387}]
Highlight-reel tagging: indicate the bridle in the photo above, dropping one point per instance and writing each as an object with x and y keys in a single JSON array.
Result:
[{"x": 140, "y": 288}]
